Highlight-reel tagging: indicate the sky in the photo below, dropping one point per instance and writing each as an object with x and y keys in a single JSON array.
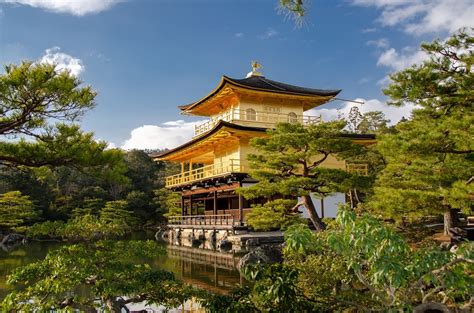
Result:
[{"x": 146, "y": 57}]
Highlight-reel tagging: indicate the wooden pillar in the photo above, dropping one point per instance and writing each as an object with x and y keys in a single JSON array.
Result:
[
  {"x": 241, "y": 210},
  {"x": 215, "y": 202},
  {"x": 183, "y": 209},
  {"x": 191, "y": 204},
  {"x": 229, "y": 204}
]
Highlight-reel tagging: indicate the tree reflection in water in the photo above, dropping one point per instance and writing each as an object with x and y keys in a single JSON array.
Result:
[{"x": 92, "y": 276}]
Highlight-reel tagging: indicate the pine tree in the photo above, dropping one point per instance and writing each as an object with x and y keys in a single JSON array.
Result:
[
  {"x": 117, "y": 212},
  {"x": 289, "y": 163},
  {"x": 430, "y": 156},
  {"x": 16, "y": 211}
]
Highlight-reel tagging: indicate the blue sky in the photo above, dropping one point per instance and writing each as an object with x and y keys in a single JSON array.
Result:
[{"x": 145, "y": 57}]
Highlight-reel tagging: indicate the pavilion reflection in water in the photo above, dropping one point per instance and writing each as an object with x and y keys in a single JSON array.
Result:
[{"x": 206, "y": 269}]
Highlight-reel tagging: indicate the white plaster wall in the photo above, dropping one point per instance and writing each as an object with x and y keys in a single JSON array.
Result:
[{"x": 331, "y": 204}]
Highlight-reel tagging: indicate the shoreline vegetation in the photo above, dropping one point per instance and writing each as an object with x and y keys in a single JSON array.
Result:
[{"x": 58, "y": 182}]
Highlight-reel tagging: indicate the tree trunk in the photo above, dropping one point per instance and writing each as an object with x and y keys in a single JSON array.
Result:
[
  {"x": 115, "y": 306},
  {"x": 351, "y": 198},
  {"x": 313, "y": 215},
  {"x": 448, "y": 220}
]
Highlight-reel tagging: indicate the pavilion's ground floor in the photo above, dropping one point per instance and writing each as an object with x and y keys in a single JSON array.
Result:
[
  {"x": 214, "y": 204},
  {"x": 217, "y": 202}
]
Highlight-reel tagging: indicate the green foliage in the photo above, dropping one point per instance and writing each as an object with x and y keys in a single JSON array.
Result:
[
  {"x": 118, "y": 213},
  {"x": 16, "y": 211},
  {"x": 90, "y": 206},
  {"x": 272, "y": 215},
  {"x": 46, "y": 230},
  {"x": 372, "y": 123},
  {"x": 360, "y": 264},
  {"x": 90, "y": 227},
  {"x": 105, "y": 271},
  {"x": 294, "y": 9},
  {"x": 60, "y": 145},
  {"x": 55, "y": 163},
  {"x": 140, "y": 203},
  {"x": 142, "y": 171},
  {"x": 80, "y": 228},
  {"x": 65, "y": 192},
  {"x": 168, "y": 202},
  {"x": 397, "y": 276},
  {"x": 27, "y": 182},
  {"x": 237, "y": 301},
  {"x": 299, "y": 239},
  {"x": 33, "y": 95},
  {"x": 276, "y": 289},
  {"x": 430, "y": 156},
  {"x": 289, "y": 162},
  {"x": 368, "y": 123}
]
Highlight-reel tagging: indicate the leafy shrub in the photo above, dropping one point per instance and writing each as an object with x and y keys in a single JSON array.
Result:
[
  {"x": 81, "y": 228},
  {"x": 89, "y": 227},
  {"x": 272, "y": 215},
  {"x": 46, "y": 230}
]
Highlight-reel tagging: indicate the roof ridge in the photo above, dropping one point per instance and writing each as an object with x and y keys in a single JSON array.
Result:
[{"x": 268, "y": 83}]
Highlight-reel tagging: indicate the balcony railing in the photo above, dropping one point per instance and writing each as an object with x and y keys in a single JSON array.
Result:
[
  {"x": 260, "y": 118},
  {"x": 203, "y": 220},
  {"x": 227, "y": 167},
  {"x": 361, "y": 169}
]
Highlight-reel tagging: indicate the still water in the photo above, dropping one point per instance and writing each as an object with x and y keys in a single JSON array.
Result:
[{"x": 206, "y": 269}]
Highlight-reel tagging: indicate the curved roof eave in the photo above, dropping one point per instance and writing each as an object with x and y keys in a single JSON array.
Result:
[
  {"x": 257, "y": 83},
  {"x": 207, "y": 134}
]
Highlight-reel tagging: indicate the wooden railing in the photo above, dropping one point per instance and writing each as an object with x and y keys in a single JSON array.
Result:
[
  {"x": 230, "y": 166},
  {"x": 203, "y": 220},
  {"x": 358, "y": 168},
  {"x": 260, "y": 118}
]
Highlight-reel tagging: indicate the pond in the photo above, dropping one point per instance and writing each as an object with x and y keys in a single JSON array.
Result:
[{"x": 210, "y": 270}]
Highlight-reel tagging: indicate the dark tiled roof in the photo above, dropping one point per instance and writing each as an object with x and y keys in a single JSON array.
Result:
[
  {"x": 264, "y": 84},
  {"x": 260, "y": 82}
]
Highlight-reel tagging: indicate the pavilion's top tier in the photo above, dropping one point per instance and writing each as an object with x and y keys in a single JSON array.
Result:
[{"x": 258, "y": 90}]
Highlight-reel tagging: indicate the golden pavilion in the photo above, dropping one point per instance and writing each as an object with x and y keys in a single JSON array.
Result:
[{"x": 214, "y": 162}]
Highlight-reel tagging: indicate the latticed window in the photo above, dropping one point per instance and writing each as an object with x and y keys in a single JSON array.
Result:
[
  {"x": 250, "y": 115},
  {"x": 292, "y": 118}
]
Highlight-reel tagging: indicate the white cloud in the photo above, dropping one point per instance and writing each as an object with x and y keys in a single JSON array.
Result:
[
  {"x": 270, "y": 33},
  {"x": 239, "y": 35},
  {"x": 111, "y": 145},
  {"x": 74, "y": 7},
  {"x": 63, "y": 61},
  {"x": 394, "y": 114},
  {"x": 384, "y": 82},
  {"x": 400, "y": 60},
  {"x": 382, "y": 43},
  {"x": 167, "y": 135},
  {"x": 424, "y": 16}
]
